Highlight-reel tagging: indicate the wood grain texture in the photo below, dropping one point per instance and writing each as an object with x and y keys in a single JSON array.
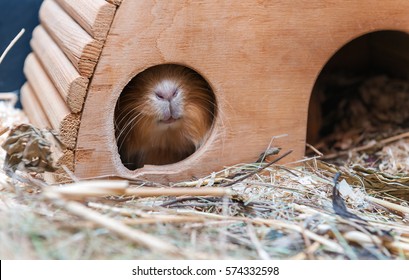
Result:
[
  {"x": 260, "y": 57},
  {"x": 65, "y": 162},
  {"x": 80, "y": 48},
  {"x": 32, "y": 107},
  {"x": 55, "y": 108},
  {"x": 71, "y": 85},
  {"x": 94, "y": 16}
]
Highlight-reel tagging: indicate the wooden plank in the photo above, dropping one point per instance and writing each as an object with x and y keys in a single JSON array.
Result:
[
  {"x": 94, "y": 16},
  {"x": 71, "y": 85},
  {"x": 33, "y": 108},
  {"x": 48, "y": 95},
  {"x": 81, "y": 49},
  {"x": 58, "y": 114}
]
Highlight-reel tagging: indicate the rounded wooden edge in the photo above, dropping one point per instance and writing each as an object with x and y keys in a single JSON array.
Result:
[
  {"x": 167, "y": 169},
  {"x": 312, "y": 102}
]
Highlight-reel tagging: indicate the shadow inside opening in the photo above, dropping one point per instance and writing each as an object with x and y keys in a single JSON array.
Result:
[
  {"x": 361, "y": 95},
  {"x": 163, "y": 115}
]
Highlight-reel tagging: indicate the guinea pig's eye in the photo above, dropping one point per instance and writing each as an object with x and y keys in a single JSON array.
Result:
[{"x": 175, "y": 93}]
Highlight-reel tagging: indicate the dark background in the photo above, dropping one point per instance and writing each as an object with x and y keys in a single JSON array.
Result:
[{"x": 15, "y": 15}]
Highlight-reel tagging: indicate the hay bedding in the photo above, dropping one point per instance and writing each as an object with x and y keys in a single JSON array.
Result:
[
  {"x": 363, "y": 113},
  {"x": 247, "y": 211}
]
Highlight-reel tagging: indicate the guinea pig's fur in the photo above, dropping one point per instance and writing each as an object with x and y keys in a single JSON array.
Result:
[{"x": 162, "y": 116}]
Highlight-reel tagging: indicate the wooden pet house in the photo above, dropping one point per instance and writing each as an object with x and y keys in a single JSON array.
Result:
[{"x": 261, "y": 59}]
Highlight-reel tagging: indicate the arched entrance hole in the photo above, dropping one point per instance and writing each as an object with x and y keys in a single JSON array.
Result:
[{"x": 361, "y": 94}]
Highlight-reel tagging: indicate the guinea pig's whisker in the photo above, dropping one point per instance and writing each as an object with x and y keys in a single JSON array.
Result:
[
  {"x": 126, "y": 116},
  {"x": 130, "y": 125},
  {"x": 129, "y": 130},
  {"x": 206, "y": 109},
  {"x": 127, "y": 105},
  {"x": 127, "y": 124},
  {"x": 204, "y": 89}
]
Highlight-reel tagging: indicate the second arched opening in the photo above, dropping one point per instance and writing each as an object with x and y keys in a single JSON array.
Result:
[{"x": 361, "y": 94}]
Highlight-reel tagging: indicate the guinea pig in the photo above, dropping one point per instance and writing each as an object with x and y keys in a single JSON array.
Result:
[{"x": 163, "y": 115}]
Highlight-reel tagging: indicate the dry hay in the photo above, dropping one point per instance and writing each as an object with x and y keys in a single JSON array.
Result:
[{"x": 248, "y": 211}]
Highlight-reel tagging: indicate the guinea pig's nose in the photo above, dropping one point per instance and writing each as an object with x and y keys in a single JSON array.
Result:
[{"x": 166, "y": 94}]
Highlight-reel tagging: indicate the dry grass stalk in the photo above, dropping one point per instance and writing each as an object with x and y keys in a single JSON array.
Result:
[
  {"x": 145, "y": 217},
  {"x": 331, "y": 245},
  {"x": 119, "y": 228},
  {"x": 98, "y": 188},
  {"x": 256, "y": 242},
  {"x": 368, "y": 146},
  {"x": 258, "y": 170},
  {"x": 389, "y": 205},
  {"x": 315, "y": 150},
  {"x": 399, "y": 247},
  {"x": 10, "y": 98},
  {"x": 308, "y": 252},
  {"x": 274, "y": 223},
  {"x": 95, "y": 188},
  {"x": 204, "y": 191},
  {"x": 3, "y": 130},
  {"x": 12, "y": 43},
  {"x": 149, "y": 216},
  {"x": 164, "y": 219},
  {"x": 198, "y": 183},
  {"x": 361, "y": 238}
]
